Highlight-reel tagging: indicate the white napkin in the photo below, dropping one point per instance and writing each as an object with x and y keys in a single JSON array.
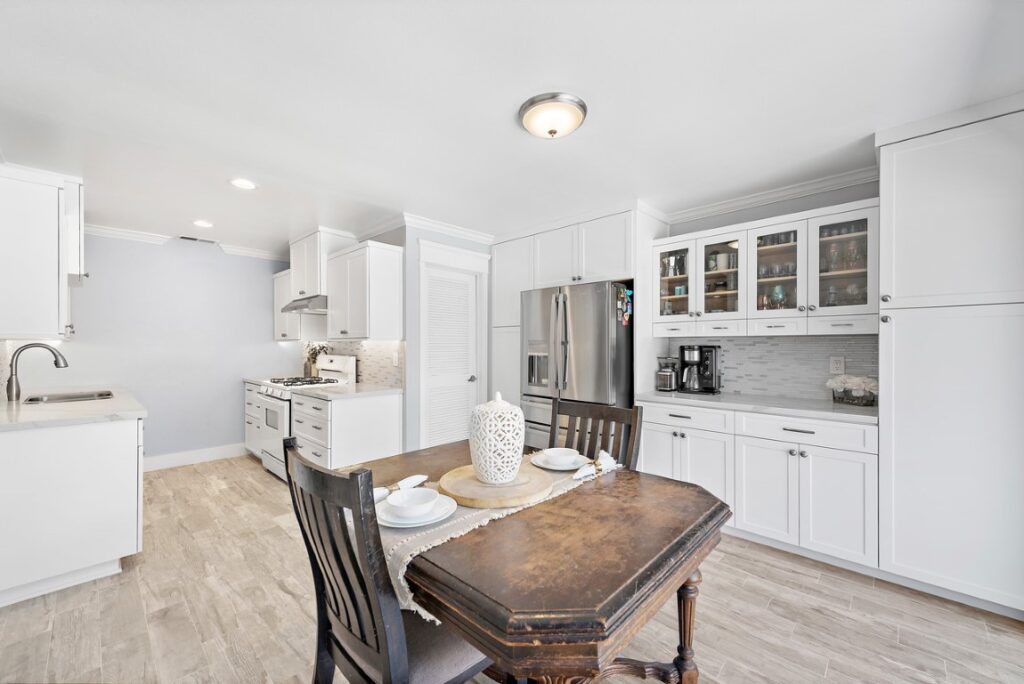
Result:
[
  {"x": 604, "y": 464},
  {"x": 381, "y": 493}
]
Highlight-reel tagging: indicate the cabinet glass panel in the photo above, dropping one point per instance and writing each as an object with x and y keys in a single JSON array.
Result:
[
  {"x": 674, "y": 282},
  {"x": 843, "y": 263},
  {"x": 778, "y": 270},
  {"x": 721, "y": 264}
]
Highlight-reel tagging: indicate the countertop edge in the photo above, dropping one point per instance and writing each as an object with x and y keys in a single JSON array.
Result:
[{"x": 767, "y": 407}]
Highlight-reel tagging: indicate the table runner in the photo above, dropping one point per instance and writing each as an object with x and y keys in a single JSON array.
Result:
[{"x": 402, "y": 545}]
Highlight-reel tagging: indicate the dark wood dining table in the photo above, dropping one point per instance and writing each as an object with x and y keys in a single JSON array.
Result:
[{"x": 556, "y": 591}]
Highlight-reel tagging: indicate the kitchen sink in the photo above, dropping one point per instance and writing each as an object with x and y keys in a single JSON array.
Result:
[{"x": 69, "y": 396}]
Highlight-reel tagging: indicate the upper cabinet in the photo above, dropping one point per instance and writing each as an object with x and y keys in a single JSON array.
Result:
[
  {"x": 843, "y": 263},
  {"x": 308, "y": 258},
  {"x": 777, "y": 286},
  {"x": 674, "y": 282},
  {"x": 721, "y": 277},
  {"x": 511, "y": 273},
  {"x": 942, "y": 192},
  {"x": 592, "y": 251},
  {"x": 40, "y": 214},
  {"x": 364, "y": 293},
  {"x": 286, "y": 325}
]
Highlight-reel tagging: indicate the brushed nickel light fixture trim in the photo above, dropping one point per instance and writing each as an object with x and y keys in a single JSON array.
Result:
[{"x": 552, "y": 115}]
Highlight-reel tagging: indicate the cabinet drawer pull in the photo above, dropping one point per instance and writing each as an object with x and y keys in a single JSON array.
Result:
[
  {"x": 773, "y": 326},
  {"x": 297, "y": 403},
  {"x": 841, "y": 325},
  {"x": 248, "y": 403},
  {"x": 316, "y": 427},
  {"x": 300, "y": 422},
  {"x": 316, "y": 408},
  {"x": 803, "y": 432},
  {"x": 672, "y": 329},
  {"x": 719, "y": 327},
  {"x": 284, "y": 334},
  {"x": 318, "y": 454},
  {"x": 676, "y": 415},
  {"x": 302, "y": 292},
  {"x": 343, "y": 332},
  {"x": 248, "y": 422}
]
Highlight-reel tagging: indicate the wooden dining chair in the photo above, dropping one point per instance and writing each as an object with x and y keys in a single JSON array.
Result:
[
  {"x": 360, "y": 627},
  {"x": 592, "y": 428}
]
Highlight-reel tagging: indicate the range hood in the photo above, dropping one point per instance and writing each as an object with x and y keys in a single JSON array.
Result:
[{"x": 317, "y": 304}]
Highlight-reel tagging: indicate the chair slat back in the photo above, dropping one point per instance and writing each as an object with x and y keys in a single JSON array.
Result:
[
  {"x": 592, "y": 428},
  {"x": 359, "y": 625}
]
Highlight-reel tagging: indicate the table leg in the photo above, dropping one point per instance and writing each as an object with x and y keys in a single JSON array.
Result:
[{"x": 687, "y": 601}]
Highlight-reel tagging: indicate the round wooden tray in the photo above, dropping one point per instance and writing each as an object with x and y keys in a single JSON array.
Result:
[{"x": 530, "y": 486}]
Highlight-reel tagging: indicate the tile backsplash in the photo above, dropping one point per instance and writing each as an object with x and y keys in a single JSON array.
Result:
[
  {"x": 375, "y": 361},
  {"x": 788, "y": 366}
]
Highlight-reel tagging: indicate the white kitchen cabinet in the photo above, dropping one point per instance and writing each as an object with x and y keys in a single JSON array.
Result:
[
  {"x": 606, "y": 248},
  {"x": 658, "y": 450},
  {"x": 839, "y": 503},
  {"x": 950, "y": 447},
  {"x": 506, "y": 364},
  {"x": 768, "y": 488},
  {"x": 843, "y": 263},
  {"x": 308, "y": 261},
  {"x": 511, "y": 274},
  {"x": 364, "y": 293},
  {"x": 778, "y": 271},
  {"x": 287, "y": 326},
  {"x": 721, "y": 280},
  {"x": 674, "y": 282},
  {"x": 556, "y": 257},
  {"x": 952, "y": 215},
  {"x": 348, "y": 429}
]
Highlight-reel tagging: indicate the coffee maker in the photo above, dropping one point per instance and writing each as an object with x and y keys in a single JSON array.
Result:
[{"x": 700, "y": 369}]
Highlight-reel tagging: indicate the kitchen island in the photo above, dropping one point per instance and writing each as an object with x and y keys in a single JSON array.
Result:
[{"x": 71, "y": 491}]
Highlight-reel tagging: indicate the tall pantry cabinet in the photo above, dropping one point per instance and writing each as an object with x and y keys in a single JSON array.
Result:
[{"x": 951, "y": 464}]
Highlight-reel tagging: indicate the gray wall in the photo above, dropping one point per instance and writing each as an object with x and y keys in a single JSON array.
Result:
[
  {"x": 816, "y": 201},
  {"x": 788, "y": 366},
  {"x": 178, "y": 325}
]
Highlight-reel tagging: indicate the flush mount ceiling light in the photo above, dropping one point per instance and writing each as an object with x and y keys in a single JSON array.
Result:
[
  {"x": 552, "y": 115},
  {"x": 243, "y": 183},
  {"x": 202, "y": 223}
]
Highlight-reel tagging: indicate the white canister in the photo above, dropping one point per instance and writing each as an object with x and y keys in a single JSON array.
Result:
[{"x": 496, "y": 433}]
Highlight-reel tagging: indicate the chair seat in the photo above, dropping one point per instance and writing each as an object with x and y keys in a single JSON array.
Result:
[{"x": 437, "y": 654}]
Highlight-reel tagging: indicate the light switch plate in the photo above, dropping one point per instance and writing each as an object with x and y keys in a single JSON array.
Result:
[
  {"x": 394, "y": 358},
  {"x": 836, "y": 365}
]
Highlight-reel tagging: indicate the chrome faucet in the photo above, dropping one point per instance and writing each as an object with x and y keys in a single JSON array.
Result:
[{"x": 13, "y": 386}]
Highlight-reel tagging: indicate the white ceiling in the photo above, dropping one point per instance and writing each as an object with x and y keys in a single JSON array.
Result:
[{"x": 349, "y": 113}]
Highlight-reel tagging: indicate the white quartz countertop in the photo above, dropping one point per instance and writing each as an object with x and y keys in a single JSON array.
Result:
[
  {"x": 822, "y": 409},
  {"x": 22, "y": 416},
  {"x": 338, "y": 392}
]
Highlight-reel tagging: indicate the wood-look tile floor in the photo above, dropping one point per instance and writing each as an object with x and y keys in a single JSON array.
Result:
[{"x": 222, "y": 594}]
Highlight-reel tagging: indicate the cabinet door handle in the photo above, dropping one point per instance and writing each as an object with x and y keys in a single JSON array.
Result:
[
  {"x": 801, "y": 308},
  {"x": 343, "y": 332},
  {"x": 813, "y": 307},
  {"x": 802, "y": 432},
  {"x": 471, "y": 378},
  {"x": 886, "y": 319},
  {"x": 302, "y": 292},
  {"x": 691, "y": 314},
  {"x": 698, "y": 313},
  {"x": 248, "y": 403},
  {"x": 886, "y": 298},
  {"x": 803, "y": 454},
  {"x": 676, "y": 415},
  {"x": 675, "y": 434},
  {"x": 682, "y": 435},
  {"x": 792, "y": 452},
  {"x": 284, "y": 334}
]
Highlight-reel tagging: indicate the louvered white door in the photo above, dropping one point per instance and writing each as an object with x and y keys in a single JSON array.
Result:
[{"x": 450, "y": 359}]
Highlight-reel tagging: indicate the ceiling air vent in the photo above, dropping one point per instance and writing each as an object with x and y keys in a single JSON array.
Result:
[{"x": 189, "y": 238}]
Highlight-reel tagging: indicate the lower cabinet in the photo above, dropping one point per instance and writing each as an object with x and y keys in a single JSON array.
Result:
[{"x": 822, "y": 499}]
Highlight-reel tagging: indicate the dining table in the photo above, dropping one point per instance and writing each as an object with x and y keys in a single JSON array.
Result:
[{"x": 556, "y": 591}]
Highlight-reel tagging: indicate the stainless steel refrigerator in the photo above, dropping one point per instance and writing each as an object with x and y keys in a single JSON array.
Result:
[{"x": 577, "y": 345}]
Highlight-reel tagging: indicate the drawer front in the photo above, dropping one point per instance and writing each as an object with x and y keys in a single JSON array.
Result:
[
  {"x": 689, "y": 416},
  {"x": 843, "y": 325},
  {"x": 312, "y": 428},
  {"x": 777, "y": 326},
  {"x": 721, "y": 328},
  {"x": 251, "y": 407},
  {"x": 311, "y": 451},
  {"x": 826, "y": 433},
  {"x": 536, "y": 410},
  {"x": 684, "y": 329},
  {"x": 311, "y": 406}
]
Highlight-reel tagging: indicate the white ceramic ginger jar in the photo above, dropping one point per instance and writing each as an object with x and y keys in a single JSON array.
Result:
[{"x": 496, "y": 434}]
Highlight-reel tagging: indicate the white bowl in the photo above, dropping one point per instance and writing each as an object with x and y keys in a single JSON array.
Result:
[
  {"x": 560, "y": 456},
  {"x": 412, "y": 503}
]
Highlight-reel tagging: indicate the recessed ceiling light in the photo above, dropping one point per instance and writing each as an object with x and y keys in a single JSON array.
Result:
[
  {"x": 552, "y": 115},
  {"x": 243, "y": 183},
  {"x": 202, "y": 223}
]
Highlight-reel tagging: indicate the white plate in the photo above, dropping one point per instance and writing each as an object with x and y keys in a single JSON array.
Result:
[
  {"x": 443, "y": 508},
  {"x": 539, "y": 459}
]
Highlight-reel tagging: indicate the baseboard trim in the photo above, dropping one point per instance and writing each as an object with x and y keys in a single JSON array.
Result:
[
  {"x": 51, "y": 584},
  {"x": 923, "y": 587},
  {"x": 184, "y": 458}
]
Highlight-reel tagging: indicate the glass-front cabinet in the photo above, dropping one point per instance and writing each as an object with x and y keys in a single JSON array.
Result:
[
  {"x": 673, "y": 281},
  {"x": 722, "y": 277},
  {"x": 843, "y": 263},
  {"x": 777, "y": 283}
]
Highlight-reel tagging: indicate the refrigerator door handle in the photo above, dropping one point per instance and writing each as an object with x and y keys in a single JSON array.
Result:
[
  {"x": 553, "y": 340},
  {"x": 564, "y": 335}
]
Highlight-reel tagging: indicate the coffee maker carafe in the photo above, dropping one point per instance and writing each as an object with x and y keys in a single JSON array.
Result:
[
  {"x": 689, "y": 357},
  {"x": 700, "y": 369}
]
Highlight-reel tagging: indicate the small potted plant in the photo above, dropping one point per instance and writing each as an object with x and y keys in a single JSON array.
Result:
[
  {"x": 853, "y": 389},
  {"x": 313, "y": 352}
]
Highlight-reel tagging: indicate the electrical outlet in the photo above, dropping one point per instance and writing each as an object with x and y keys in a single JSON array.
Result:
[
  {"x": 836, "y": 365},
  {"x": 394, "y": 358}
]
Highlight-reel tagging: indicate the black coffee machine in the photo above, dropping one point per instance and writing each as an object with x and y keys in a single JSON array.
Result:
[{"x": 699, "y": 364}]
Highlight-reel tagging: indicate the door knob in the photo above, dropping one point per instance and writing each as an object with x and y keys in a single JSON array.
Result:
[
  {"x": 886, "y": 319},
  {"x": 472, "y": 378},
  {"x": 886, "y": 298}
]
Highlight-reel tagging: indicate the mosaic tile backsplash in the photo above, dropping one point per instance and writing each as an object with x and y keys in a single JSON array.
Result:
[
  {"x": 375, "y": 361},
  {"x": 788, "y": 366}
]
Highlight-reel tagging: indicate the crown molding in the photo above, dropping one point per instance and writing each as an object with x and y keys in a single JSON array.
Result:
[
  {"x": 795, "y": 191},
  {"x": 653, "y": 212},
  {"x": 570, "y": 219},
  {"x": 413, "y": 221},
  {"x": 384, "y": 226},
  {"x": 124, "y": 234},
  {"x": 252, "y": 252}
]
